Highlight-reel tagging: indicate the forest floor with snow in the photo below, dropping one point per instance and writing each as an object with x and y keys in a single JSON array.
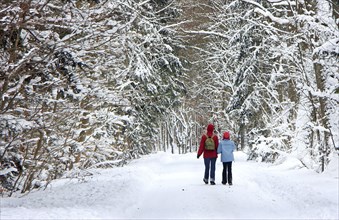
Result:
[{"x": 170, "y": 186}]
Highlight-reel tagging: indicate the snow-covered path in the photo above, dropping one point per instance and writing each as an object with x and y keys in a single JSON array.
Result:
[{"x": 170, "y": 186}]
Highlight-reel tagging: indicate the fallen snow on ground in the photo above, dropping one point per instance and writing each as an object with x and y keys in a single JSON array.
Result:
[{"x": 164, "y": 185}]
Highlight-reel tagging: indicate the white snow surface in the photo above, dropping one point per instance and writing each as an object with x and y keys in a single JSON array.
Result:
[{"x": 170, "y": 186}]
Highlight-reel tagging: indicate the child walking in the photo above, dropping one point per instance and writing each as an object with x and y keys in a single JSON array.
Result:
[{"x": 226, "y": 148}]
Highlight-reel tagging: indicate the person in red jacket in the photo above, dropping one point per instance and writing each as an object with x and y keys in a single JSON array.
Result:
[{"x": 210, "y": 156}]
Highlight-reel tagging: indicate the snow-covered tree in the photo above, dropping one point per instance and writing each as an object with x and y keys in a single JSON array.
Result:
[
  {"x": 81, "y": 80},
  {"x": 151, "y": 78},
  {"x": 269, "y": 72}
]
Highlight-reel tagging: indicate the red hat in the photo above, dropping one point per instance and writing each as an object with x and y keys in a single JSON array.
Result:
[
  {"x": 227, "y": 135},
  {"x": 210, "y": 129}
]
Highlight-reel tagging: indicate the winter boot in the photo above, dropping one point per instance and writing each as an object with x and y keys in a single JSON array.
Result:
[{"x": 205, "y": 181}]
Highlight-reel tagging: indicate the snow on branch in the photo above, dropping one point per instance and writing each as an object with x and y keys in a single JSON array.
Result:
[
  {"x": 329, "y": 47},
  {"x": 333, "y": 96},
  {"x": 20, "y": 63},
  {"x": 8, "y": 170},
  {"x": 272, "y": 17},
  {"x": 207, "y": 33},
  {"x": 255, "y": 3},
  {"x": 144, "y": 2},
  {"x": 263, "y": 11},
  {"x": 282, "y": 2}
]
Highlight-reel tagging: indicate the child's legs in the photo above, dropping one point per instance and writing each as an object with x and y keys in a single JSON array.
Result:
[
  {"x": 229, "y": 172},
  {"x": 224, "y": 181}
]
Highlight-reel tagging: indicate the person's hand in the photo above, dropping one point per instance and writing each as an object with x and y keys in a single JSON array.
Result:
[{"x": 198, "y": 156}]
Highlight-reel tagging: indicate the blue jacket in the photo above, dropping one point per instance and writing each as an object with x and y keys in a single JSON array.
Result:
[{"x": 226, "y": 148}]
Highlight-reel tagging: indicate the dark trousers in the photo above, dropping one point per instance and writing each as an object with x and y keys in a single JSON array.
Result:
[
  {"x": 210, "y": 168},
  {"x": 227, "y": 172}
]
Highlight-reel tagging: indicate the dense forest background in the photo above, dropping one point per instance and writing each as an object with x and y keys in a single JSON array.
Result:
[{"x": 96, "y": 83}]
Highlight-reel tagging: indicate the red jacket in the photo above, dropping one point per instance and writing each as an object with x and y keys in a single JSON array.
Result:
[{"x": 209, "y": 153}]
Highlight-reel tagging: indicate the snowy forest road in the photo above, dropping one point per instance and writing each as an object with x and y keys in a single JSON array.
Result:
[
  {"x": 166, "y": 186},
  {"x": 259, "y": 191}
]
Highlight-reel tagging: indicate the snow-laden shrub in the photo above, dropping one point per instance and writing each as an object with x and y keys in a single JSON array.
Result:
[{"x": 266, "y": 149}]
